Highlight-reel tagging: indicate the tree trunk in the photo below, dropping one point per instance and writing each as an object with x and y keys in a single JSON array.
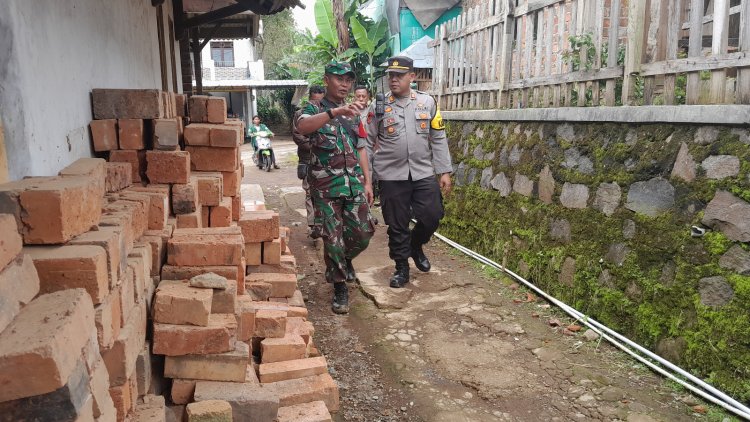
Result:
[{"x": 341, "y": 26}]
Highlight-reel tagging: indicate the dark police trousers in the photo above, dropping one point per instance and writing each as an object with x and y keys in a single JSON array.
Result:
[{"x": 401, "y": 200}]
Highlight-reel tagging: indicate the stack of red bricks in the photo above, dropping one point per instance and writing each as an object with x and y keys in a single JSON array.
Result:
[
  {"x": 128, "y": 122},
  {"x": 213, "y": 143},
  {"x": 79, "y": 349}
]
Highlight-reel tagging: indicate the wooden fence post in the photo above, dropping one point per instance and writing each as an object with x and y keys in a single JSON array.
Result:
[{"x": 633, "y": 48}]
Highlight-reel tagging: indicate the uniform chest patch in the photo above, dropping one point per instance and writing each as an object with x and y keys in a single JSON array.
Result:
[
  {"x": 423, "y": 125},
  {"x": 423, "y": 115},
  {"x": 391, "y": 129},
  {"x": 388, "y": 109}
]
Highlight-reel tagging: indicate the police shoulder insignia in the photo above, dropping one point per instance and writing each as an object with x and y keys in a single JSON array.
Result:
[
  {"x": 388, "y": 109},
  {"x": 437, "y": 121}
]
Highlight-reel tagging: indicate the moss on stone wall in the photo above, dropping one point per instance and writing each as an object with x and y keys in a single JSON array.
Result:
[{"x": 643, "y": 280}]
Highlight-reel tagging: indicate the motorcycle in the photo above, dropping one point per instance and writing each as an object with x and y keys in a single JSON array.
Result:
[{"x": 265, "y": 161}]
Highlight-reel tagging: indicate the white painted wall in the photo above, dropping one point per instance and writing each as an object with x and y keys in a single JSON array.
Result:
[
  {"x": 52, "y": 54},
  {"x": 244, "y": 52}
]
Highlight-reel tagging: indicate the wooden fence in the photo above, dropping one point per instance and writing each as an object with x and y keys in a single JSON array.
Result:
[{"x": 561, "y": 53}]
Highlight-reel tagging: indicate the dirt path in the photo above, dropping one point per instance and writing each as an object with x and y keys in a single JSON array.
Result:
[{"x": 459, "y": 343}]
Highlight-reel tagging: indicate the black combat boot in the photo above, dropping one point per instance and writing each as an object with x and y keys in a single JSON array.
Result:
[
  {"x": 351, "y": 276},
  {"x": 340, "y": 298},
  {"x": 420, "y": 259},
  {"x": 401, "y": 275}
]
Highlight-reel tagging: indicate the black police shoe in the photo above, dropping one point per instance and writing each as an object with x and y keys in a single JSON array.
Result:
[
  {"x": 420, "y": 260},
  {"x": 351, "y": 276},
  {"x": 401, "y": 275},
  {"x": 340, "y": 303}
]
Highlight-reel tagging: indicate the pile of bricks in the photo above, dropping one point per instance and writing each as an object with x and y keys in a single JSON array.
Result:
[
  {"x": 78, "y": 350},
  {"x": 119, "y": 277}
]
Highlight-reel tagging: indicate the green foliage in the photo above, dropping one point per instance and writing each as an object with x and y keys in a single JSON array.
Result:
[
  {"x": 269, "y": 114},
  {"x": 326, "y": 23},
  {"x": 716, "y": 242},
  {"x": 278, "y": 38},
  {"x": 582, "y": 52}
]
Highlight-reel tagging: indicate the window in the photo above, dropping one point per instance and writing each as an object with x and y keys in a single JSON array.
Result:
[{"x": 222, "y": 53}]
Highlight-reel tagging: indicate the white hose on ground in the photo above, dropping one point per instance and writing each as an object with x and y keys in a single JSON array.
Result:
[{"x": 702, "y": 389}]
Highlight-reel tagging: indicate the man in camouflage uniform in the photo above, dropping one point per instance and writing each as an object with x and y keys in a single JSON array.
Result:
[
  {"x": 409, "y": 150},
  {"x": 339, "y": 178},
  {"x": 315, "y": 94}
]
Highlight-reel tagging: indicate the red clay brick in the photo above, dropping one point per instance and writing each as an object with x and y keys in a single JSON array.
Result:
[
  {"x": 159, "y": 205},
  {"x": 216, "y": 109},
  {"x": 197, "y": 108},
  {"x": 241, "y": 271},
  {"x": 229, "y": 366},
  {"x": 315, "y": 411},
  {"x": 104, "y": 407},
  {"x": 136, "y": 159},
  {"x": 133, "y": 212},
  {"x": 259, "y": 226},
  {"x": 226, "y": 136},
  {"x": 301, "y": 327},
  {"x": 254, "y": 253},
  {"x": 11, "y": 241},
  {"x": 291, "y": 311},
  {"x": 194, "y": 220},
  {"x": 291, "y": 369},
  {"x": 190, "y": 249},
  {"x": 104, "y": 134},
  {"x": 177, "y": 340},
  {"x": 259, "y": 291},
  {"x": 237, "y": 209},
  {"x": 168, "y": 166},
  {"x": 171, "y": 272},
  {"x": 177, "y": 303},
  {"x": 19, "y": 283},
  {"x": 206, "y": 216},
  {"x": 158, "y": 252},
  {"x": 282, "y": 285},
  {"x": 210, "y": 188},
  {"x": 110, "y": 241},
  {"x": 225, "y": 300},
  {"x": 197, "y": 134},
  {"x": 270, "y": 323},
  {"x": 166, "y": 134},
  {"x": 221, "y": 215},
  {"x": 245, "y": 318},
  {"x": 121, "y": 357},
  {"x": 272, "y": 252},
  {"x": 122, "y": 399},
  {"x": 108, "y": 318},
  {"x": 249, "y": 400},
  {"x": 127, "y": 103},
  {"x": 288, "y": 347},
  {"x": 185, "y": 197},
  {"x": 296, "y": 299},
  {"x": 143, "y": 370},
  {"x": 89, "y": 167},
  {"x": 182, "y": 391},
  {"x": 150, "y": 408},
  {"x": 210, "y": 411},
  {"x": 74, "y": 266},
  {"x": 130, "y": 133},
  {"x": 127, "y": 295},
  {"x": 305, "y": 390},
  {"x": 232, "y": 182},
  {"x": 40, "y": 349},
  {"x": 119, "y": 176},
  {"x": 213, "y": 159},
  {"x": 180, "y": 103},
  {"x": 55, "y": 209}
]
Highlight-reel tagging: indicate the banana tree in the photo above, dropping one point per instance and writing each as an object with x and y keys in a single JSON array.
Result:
[{"x": 372, "y": 43}]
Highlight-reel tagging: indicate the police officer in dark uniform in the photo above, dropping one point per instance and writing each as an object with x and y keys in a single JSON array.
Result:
[{"x": 413, "y": 164}]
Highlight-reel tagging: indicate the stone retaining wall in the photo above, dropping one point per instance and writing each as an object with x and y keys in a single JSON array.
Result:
[{"x": 603, "y": 216}]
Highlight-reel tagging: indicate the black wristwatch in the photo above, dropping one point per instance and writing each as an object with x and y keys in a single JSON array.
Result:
[{"x": 330, "y": 114}]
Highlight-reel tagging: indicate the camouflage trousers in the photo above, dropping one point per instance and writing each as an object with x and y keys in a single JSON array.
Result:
[
  {"x": 308, "y": 203},
  {"x": 347, "y": 227}
]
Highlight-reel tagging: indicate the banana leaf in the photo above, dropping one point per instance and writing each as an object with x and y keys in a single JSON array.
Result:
[
  {"x": 360, "y": 34},
  {"x": 325, "y": 22}
]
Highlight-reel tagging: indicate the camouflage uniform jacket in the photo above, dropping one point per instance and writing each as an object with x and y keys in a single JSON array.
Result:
[{"x": 334, "y": 169}]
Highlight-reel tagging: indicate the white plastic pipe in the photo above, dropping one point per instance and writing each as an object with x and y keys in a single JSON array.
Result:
[{"x": 719, "y": 398}]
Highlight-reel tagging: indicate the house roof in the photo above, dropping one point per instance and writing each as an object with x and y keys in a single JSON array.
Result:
[
  {"x": 428, "y": 11},
  {"x": 244, "y": 85},
  {"x": 420, "y": 52}
]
